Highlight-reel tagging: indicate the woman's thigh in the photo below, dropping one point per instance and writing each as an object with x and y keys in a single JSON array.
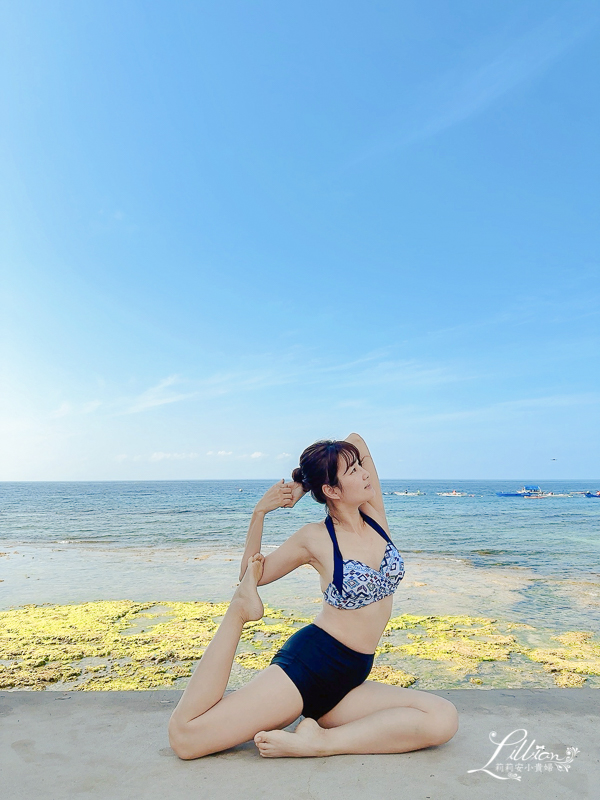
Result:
[
  {"x": 373, "y": 696},
  {"x": 270, "y": 700}
]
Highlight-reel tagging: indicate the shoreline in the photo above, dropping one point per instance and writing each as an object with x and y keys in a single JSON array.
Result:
[
  {"x": 433, "y": 584},
  {"x": 480, "y": 626}
]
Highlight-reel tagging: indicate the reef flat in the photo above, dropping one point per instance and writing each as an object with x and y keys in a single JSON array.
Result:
[{"x": 125, "y": 645}]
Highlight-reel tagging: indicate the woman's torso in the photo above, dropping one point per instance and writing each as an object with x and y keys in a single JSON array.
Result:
[{"x": 358, "y": 628}]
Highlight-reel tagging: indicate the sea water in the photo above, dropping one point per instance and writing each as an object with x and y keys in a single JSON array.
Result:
[{"x": 527, "y": 559}]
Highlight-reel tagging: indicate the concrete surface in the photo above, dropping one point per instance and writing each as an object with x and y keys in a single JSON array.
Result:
[{"x": 114, "y": 745}]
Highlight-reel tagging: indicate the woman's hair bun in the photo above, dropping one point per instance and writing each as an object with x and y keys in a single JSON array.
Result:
[{"x": 298, "y": 476}]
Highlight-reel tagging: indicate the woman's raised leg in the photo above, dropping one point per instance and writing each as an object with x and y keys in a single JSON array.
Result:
[
  {"x": 209, "y": 681},
  {"x": 204, "y": 721}
]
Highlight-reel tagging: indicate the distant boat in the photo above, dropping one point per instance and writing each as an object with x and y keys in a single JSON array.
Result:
[
  {"x": 406, "y": 493},
  {"x": 453, "y": 493},
  {"x": 593, "y": 494},
  {"x": 525, "y": 491}
]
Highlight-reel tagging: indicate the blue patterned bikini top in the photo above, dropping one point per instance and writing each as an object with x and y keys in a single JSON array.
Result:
[{"x": 355, "y": 584}]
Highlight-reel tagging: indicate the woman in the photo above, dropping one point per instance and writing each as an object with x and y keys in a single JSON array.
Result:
[{"x": 321, "y": 670}]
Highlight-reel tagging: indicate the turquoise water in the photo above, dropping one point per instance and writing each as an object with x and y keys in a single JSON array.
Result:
[
  {"x": 72, "y": 542},
  {"x": 556, "y": 535}
]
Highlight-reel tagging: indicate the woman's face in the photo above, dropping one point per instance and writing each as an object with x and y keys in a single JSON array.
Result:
[{"x": 354, "y": 482}]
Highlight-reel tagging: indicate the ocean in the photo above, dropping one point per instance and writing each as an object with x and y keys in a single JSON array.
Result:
[
  {"x": 531, "y": 560},
  {"x": 494, "y": 585}
]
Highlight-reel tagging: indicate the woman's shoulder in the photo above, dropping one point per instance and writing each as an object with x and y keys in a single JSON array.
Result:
[
  {"x": 315, "y": 538},
  {"x": 312, "y": 532}
]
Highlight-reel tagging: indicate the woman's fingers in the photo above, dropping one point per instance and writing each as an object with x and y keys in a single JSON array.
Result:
[
  {"x": 279, "y": 495},
  {"x": 286, "y": 496}
]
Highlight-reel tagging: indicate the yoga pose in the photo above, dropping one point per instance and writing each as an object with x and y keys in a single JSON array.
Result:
[{"x": 321, "y": 671}]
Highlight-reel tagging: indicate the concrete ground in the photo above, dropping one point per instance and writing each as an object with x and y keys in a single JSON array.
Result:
[{"x": 114, "y": 745}]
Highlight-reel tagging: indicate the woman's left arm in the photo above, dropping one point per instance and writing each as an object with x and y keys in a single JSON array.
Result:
[{"x": 367, "y": 461}]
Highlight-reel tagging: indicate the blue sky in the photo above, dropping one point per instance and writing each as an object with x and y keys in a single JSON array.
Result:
[{"x": 232, "y": 228}]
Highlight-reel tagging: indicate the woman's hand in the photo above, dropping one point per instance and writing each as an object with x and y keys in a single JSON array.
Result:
[
  {"x": 278, "y": 496},
  {"x": 297, "y": 492}
]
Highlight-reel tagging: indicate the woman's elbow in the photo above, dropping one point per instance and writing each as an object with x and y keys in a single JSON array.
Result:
[{"x": 355, "y": 437}]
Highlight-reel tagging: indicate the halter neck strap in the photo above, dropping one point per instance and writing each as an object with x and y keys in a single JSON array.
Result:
[
  {"x": 375, "y": 525},
  {"x": 338, "y": 564}
]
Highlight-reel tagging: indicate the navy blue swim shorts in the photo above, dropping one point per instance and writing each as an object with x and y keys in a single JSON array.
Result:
[{"x": 323, "y": 669}]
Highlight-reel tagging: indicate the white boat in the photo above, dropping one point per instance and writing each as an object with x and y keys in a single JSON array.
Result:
[
  {"x": 453, "y": 493},
  {"x": 524, "y": 491}
]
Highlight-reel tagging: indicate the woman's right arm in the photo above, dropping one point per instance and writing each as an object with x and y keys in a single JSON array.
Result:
[{"x": 367, "y": 462}]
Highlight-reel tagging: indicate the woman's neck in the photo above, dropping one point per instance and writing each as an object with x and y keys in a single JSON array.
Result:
[{"x": 348, "y": 518}]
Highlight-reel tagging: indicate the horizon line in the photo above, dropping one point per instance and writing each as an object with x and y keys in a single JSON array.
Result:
[{"x": 258, "y": 480}]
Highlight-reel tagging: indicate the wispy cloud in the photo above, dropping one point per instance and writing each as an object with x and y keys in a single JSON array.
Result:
[
  {"x": 172, "y": 456},
  {"x": 217, "y": 385},
  {"x": 158, "y": 395},
  {"x": 63, "y": 410},
  {"x": 375, "y": 368},
  {"x": 517, "y": 63},
  {"x": 508, "y": 408},
  {"x": 110, "y": 220},
  {"x": 88, "y": 408},
  {"x": 158, "y": 456},
  {"x": 67, "y": 409},
  {"x": 407, "y": 372},
  {"x": 461, "y": 94}
]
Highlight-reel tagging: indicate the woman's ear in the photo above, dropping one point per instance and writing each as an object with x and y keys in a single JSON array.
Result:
[{"x": 332, "y": 492}]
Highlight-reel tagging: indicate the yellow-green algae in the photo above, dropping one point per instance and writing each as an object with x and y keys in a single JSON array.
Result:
[
  {"x": 578, "y": 658},
  {"x": 462, "y": 641},
  {"x": 128, "y": 645}
]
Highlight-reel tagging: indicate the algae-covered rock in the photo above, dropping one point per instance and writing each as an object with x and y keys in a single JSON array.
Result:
[
  {"x": 122, "y": 644},
  {"x": 571, "y": 664},
  {"x": 395, "y": 677}
]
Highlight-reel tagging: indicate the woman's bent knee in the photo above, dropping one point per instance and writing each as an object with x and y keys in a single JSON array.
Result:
[
  {"x": 180, "y": 740},
  {"x": 184, "y": 748},
  {"x": 176, "y": 736},
  {"x": 446, "y": 723}
]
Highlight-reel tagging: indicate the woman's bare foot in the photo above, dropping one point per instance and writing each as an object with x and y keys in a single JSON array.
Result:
[
  {"x": 245, "y": 598},
  {"x": 308, "y": 739}
]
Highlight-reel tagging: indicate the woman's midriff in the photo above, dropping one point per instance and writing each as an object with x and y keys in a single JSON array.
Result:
[{"x": 359, "y": 628}]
